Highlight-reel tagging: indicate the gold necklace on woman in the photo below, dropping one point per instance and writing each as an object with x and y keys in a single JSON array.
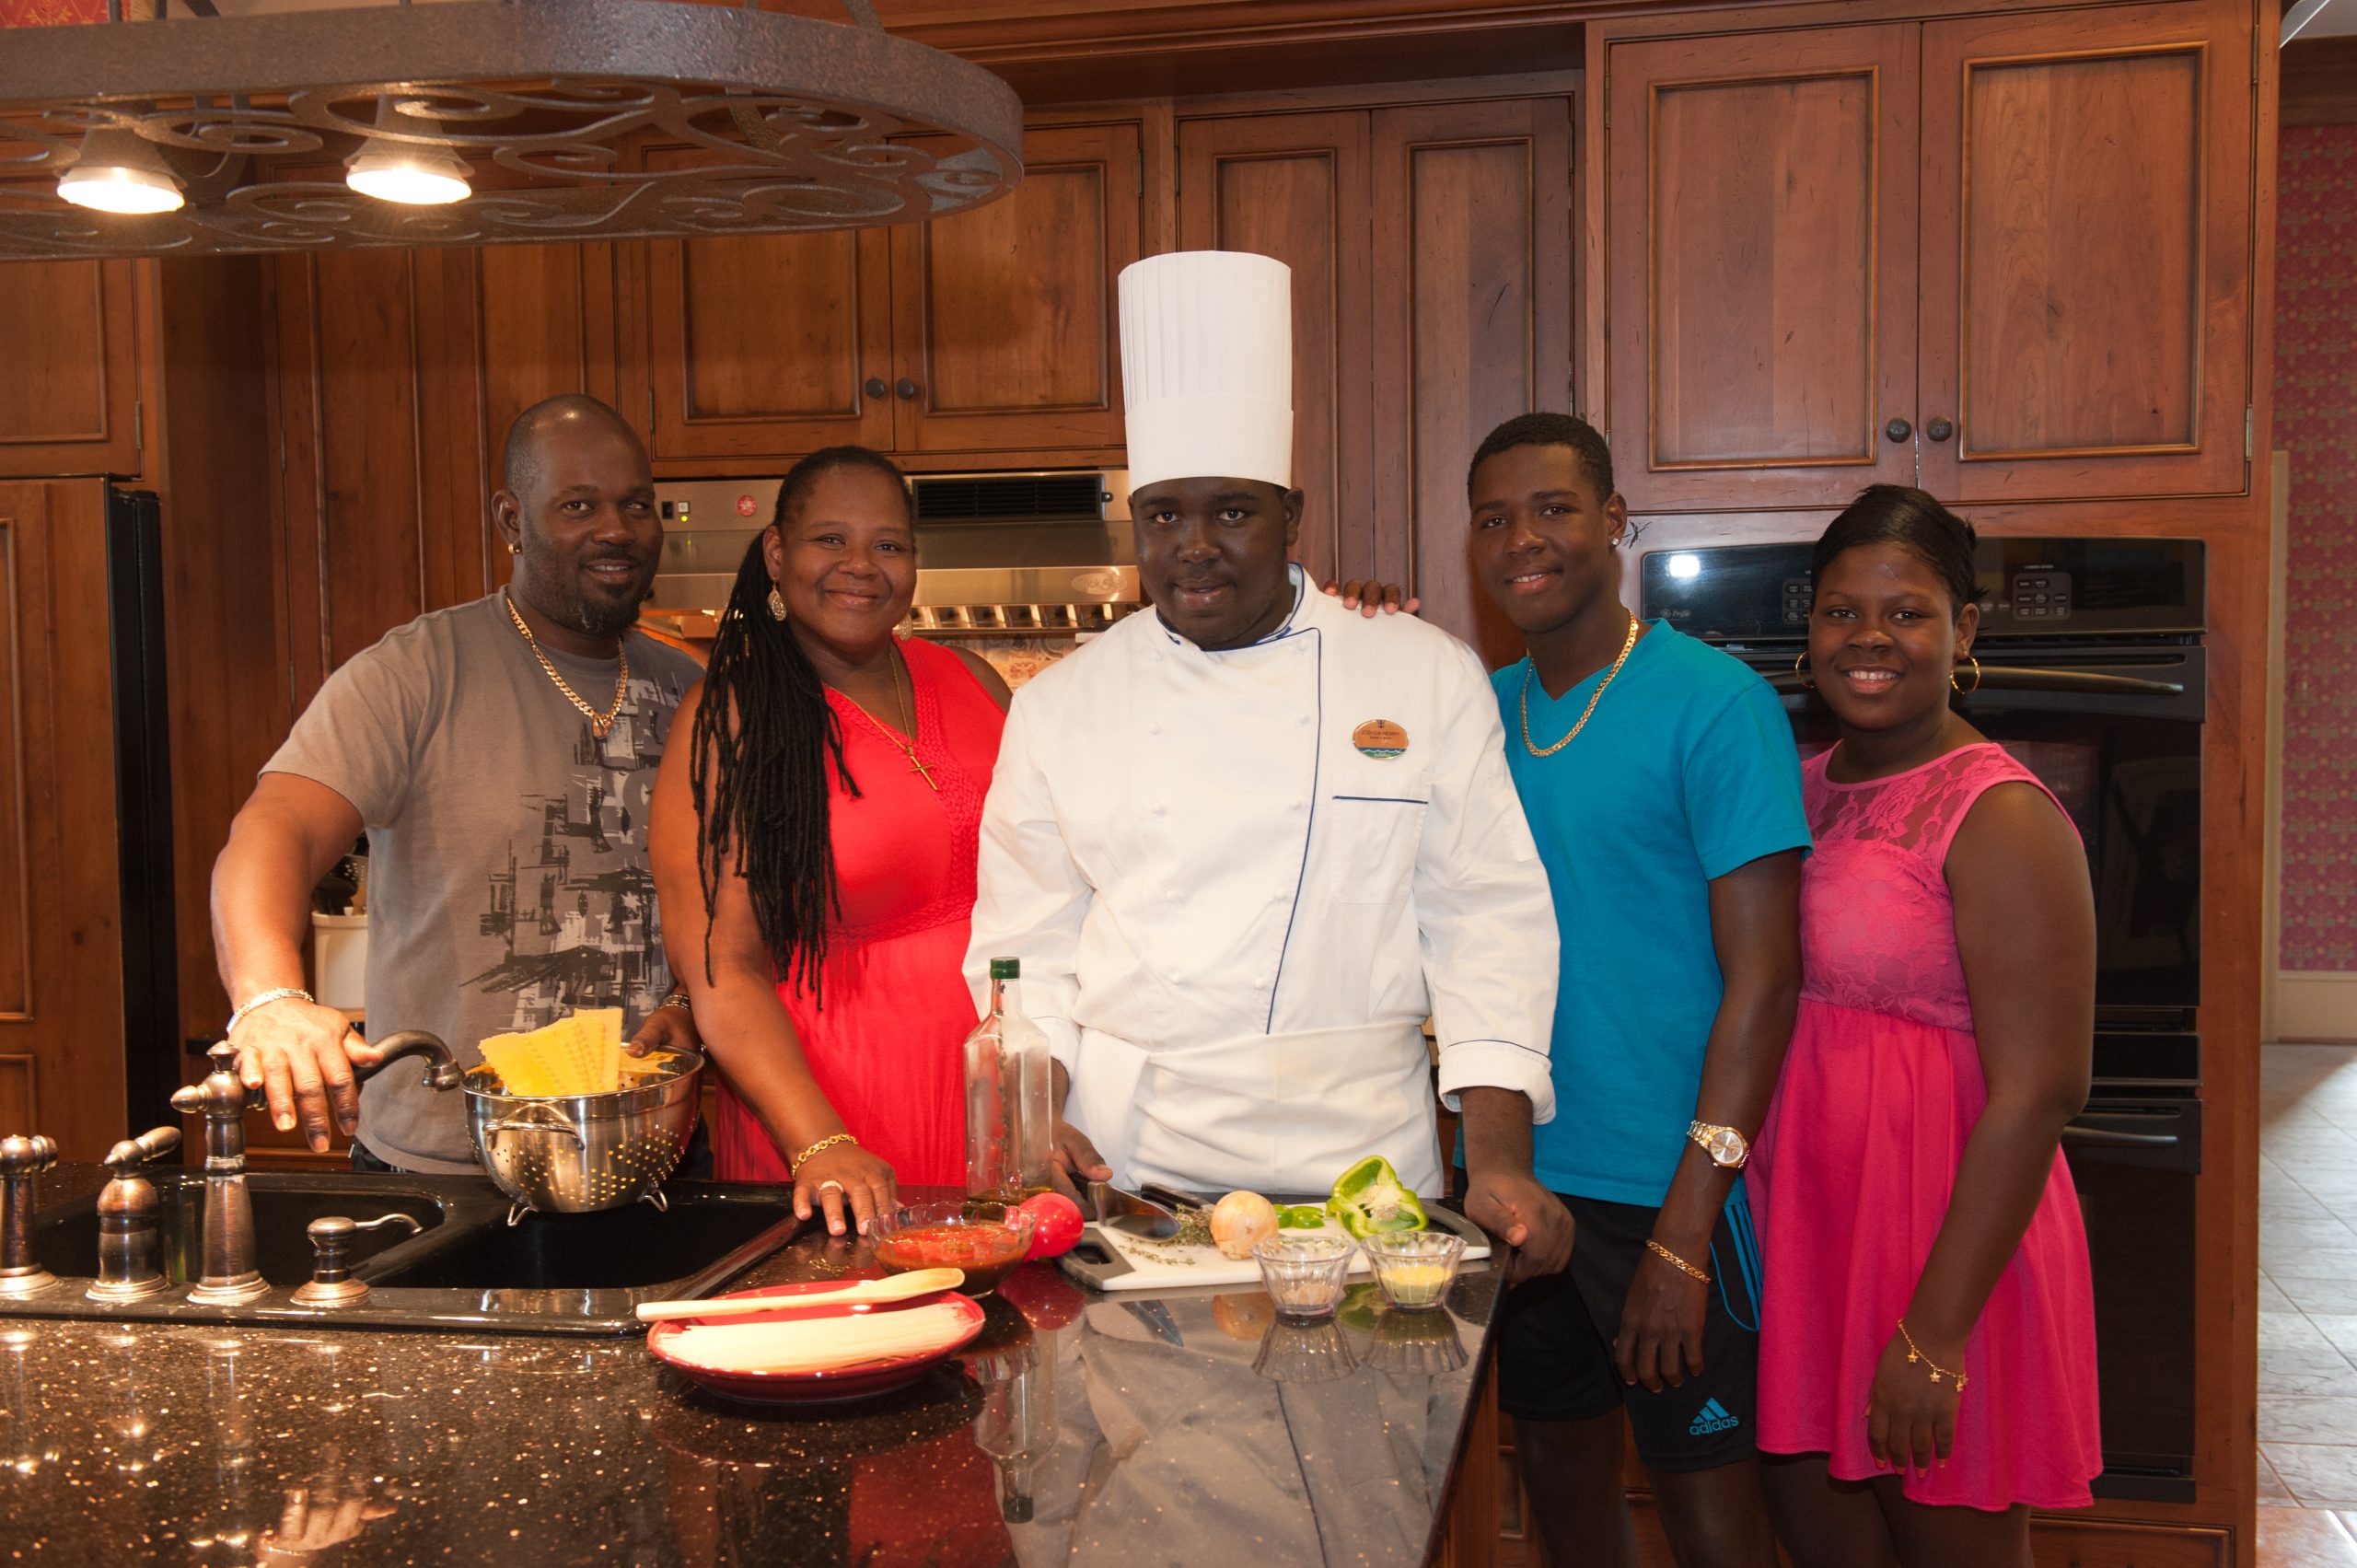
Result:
[
  {"x": 908, "y": 722},
  {"x": 599, "y": 723},
  {"x": 1532, "y": 746}
]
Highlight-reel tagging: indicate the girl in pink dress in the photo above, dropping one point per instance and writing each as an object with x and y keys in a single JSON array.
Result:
[{"x": 1927, "y": 1328}]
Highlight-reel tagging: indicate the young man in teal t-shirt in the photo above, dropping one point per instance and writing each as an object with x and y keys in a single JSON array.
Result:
[{"x": 1661, "y": 783}]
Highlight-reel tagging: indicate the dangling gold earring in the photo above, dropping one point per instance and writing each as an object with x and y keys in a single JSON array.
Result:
[
  {"x": 777, "y": 604},
  {"x": 1967, "y": 690}
]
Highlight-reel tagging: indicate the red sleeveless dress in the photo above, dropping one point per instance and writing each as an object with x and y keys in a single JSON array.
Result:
[
  {"x": 885, "y": 1044},
  {"x": 1856, "y": 1167}
]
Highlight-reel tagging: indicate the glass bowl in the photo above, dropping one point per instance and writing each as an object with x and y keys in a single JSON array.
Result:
[
  {"x": 988, "y": 1244},
  {"x": 1304, "y": 1274},
  {"x": 1416, "y": 1342},
  {"x": 1414, "y": 1267}
]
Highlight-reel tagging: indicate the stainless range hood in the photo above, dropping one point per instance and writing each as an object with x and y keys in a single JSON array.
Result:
[{"x": 1043, "y": 553}]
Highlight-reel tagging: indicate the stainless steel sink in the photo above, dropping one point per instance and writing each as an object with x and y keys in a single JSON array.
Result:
[{"x": 466, "y": 1268}]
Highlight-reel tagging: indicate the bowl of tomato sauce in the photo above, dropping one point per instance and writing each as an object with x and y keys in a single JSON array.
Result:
[{"x": 985, "y": 1240}]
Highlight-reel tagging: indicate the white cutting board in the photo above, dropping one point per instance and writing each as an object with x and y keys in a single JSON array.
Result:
[{"x": 1132, "y": 1262}]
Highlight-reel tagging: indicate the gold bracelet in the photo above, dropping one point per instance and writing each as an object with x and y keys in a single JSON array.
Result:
[
  {"x": 1914, "y": 1356},
  {"x": 795, "y": 1163},
  {"x": 1658, "y": 1251}
]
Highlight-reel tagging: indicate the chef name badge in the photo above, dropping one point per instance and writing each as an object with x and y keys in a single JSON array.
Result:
[{"x": 1380, "y": 739}]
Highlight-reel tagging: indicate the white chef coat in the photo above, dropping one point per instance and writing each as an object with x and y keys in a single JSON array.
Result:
[{"x": 1233, "y": 919}]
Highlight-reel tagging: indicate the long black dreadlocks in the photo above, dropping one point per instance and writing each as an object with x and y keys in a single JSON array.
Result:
[{"x": 763, "y": 737}]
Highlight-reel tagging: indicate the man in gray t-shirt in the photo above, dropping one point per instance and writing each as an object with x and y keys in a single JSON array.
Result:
[{"x": 500, "y": 764}]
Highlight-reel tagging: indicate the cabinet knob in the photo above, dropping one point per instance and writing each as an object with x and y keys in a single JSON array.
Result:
[
  {"x": 876, "y": 386},
  {"x": 906, "y": 388},
  {"x": 1938, "y": 429},
  {"x": 1898, "y": 429}
]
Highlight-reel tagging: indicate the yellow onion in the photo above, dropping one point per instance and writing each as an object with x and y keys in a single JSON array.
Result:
[{"x": 1239, "y": 1221}]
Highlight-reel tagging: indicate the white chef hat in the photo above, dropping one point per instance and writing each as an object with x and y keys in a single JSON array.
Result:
[{"x": 1207, "y": 366}]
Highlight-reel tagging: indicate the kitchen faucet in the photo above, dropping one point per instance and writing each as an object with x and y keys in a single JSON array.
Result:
[{"x": 230, "y": 1276}]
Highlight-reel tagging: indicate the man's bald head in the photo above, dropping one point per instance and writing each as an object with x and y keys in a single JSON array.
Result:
[{"x": 572, "y": 415}]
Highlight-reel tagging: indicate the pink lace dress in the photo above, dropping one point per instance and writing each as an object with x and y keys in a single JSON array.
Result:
[{"x": 1856, "y": 1167}]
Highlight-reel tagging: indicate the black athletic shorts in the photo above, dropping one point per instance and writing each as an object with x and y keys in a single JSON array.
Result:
[{"x": 1555, "y": 1341}]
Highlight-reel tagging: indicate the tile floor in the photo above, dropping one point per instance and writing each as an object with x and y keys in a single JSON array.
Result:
[{"x": 2307, "y": 1300}]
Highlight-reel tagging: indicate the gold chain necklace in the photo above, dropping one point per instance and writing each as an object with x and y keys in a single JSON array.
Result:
[
  {"x": 1532, "y": 746},
  {"x": 599, "y": 723},
  {"x": 908, "y": 722}
]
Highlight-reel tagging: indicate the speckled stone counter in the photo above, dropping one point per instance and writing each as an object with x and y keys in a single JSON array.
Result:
[{"x": 1187, "y": 1428}]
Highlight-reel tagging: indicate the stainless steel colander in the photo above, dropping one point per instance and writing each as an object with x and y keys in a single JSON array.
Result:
[{"x": 575, "y": 1153}]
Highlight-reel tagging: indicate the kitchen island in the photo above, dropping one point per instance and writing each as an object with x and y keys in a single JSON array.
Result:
[{"x": 1170, "y": 1427}]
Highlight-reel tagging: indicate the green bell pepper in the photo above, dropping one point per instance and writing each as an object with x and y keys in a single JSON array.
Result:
[
  {"x": 1369, "y": 1200},
  {"x": 1300, "y": 1216}
]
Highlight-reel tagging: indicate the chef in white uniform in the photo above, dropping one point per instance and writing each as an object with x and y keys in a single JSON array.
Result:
[{"x": 1244, "y": 843}]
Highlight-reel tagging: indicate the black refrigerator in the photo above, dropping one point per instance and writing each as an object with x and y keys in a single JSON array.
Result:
[{"x": 143, "y": 776}]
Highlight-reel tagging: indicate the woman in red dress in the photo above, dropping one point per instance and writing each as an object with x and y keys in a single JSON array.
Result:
[{"x": 814, "y": 851}]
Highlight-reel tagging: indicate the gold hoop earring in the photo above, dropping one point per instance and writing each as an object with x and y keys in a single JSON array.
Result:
[
  {"x": 1967, "y": 690},
  {"x": 777, "y": 604},
  {"x": 1800, "y": 666}
]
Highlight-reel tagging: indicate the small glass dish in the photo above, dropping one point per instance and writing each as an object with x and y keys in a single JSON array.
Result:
[
  {"x": 988, "y": 1244},
  {"x": 1414, "y": 1267},
  {"x": 1304, "y": 1274}
]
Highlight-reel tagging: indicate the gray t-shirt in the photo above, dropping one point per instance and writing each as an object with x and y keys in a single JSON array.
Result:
[{"x": 507, "y": 874}]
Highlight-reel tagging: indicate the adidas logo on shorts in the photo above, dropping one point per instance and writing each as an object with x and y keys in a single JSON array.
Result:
[{"x": 1713, "y": 1417}]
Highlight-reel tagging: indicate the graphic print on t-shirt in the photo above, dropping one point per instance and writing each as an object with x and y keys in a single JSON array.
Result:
[{"x": 574, "y": 905}]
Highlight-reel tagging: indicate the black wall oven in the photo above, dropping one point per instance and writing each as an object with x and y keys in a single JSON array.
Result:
[{"x": 2092, "y": 675}]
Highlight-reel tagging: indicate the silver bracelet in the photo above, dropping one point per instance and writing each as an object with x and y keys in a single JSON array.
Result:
[
  {"x": 678, "y": 999},
  {"x": 263, "y": 999}
]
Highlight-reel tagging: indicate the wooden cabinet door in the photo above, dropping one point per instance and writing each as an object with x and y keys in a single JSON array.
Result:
[
  {"x": 763, "y": 345},
  {"x": 1005, "y": 328},
  {"x": 73, "y": 320},
  {"x": 1472, "y": 285},
  {"x": 2087, "y": 240},
  {"x": 1759, "y": 267},
  {"x": 1296, "y": 187},
  {"x": 61, "y": 942}
]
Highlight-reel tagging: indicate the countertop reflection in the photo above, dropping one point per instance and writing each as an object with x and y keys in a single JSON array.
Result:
[{"x": 1183, "y": 1428}]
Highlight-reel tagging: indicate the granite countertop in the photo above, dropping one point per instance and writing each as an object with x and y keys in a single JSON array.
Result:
[{"x": 1189, "y": 1427}]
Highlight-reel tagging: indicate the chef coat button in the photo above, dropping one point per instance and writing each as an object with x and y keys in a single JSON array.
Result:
[{"x": 1160, "y": 810}]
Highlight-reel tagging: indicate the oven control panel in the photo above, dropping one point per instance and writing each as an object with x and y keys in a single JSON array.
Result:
[{"x": 2029, "y": 588}]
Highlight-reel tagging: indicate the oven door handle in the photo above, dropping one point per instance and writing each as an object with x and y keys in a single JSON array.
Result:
[
  {"x": 2168, "y": 1137},
  {"x": 2003, "y": 677}
]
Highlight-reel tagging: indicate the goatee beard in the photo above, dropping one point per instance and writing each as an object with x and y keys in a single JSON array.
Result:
[{"x": 604, "y": 619}]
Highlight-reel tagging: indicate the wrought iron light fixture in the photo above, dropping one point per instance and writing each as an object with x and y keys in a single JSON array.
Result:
[{"x": 482, "y": 122}]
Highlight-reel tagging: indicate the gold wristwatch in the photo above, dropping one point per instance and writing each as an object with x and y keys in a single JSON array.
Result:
[{"x": 1728, "y": 1148}]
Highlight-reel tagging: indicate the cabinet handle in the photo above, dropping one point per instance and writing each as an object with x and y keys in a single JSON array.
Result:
[
  {"x": 1938, "y": 429},
  {"x": 1898, "y": 429},
  {"x": 906, "y": 388},
  {"x": 876, "y": 386}
]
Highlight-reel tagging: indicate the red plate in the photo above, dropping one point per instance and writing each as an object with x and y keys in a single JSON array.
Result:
[{"x": 813, "y": 1388}]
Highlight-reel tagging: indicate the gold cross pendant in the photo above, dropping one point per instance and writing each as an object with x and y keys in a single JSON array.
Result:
[{"x": 916, "y": 766}]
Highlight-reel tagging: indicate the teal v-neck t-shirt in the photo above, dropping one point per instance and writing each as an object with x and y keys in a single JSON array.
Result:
[{"x": 1686, "y": 771}]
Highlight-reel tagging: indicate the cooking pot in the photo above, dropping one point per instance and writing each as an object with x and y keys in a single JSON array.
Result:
[{"x": 572, "y": 1153}]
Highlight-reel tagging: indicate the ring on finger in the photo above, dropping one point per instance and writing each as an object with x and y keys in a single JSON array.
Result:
[{"x": 830, "y": 1186}]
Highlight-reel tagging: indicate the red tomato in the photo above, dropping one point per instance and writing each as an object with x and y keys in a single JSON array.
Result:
[{"x": 1055, "y": 1223}]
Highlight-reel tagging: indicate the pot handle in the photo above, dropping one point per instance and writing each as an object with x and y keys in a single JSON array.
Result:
[
  {"x": 442, "y": 1069},
  {"x": 517, "y": 1124}
]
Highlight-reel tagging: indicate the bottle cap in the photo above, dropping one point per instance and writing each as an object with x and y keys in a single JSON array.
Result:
[{"x": 1006, "y": 968}]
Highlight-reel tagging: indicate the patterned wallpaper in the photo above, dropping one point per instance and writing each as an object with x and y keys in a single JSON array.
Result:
[
  {"x": 44, "y": 13},
  {"x": 2315, "y": 420}
]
